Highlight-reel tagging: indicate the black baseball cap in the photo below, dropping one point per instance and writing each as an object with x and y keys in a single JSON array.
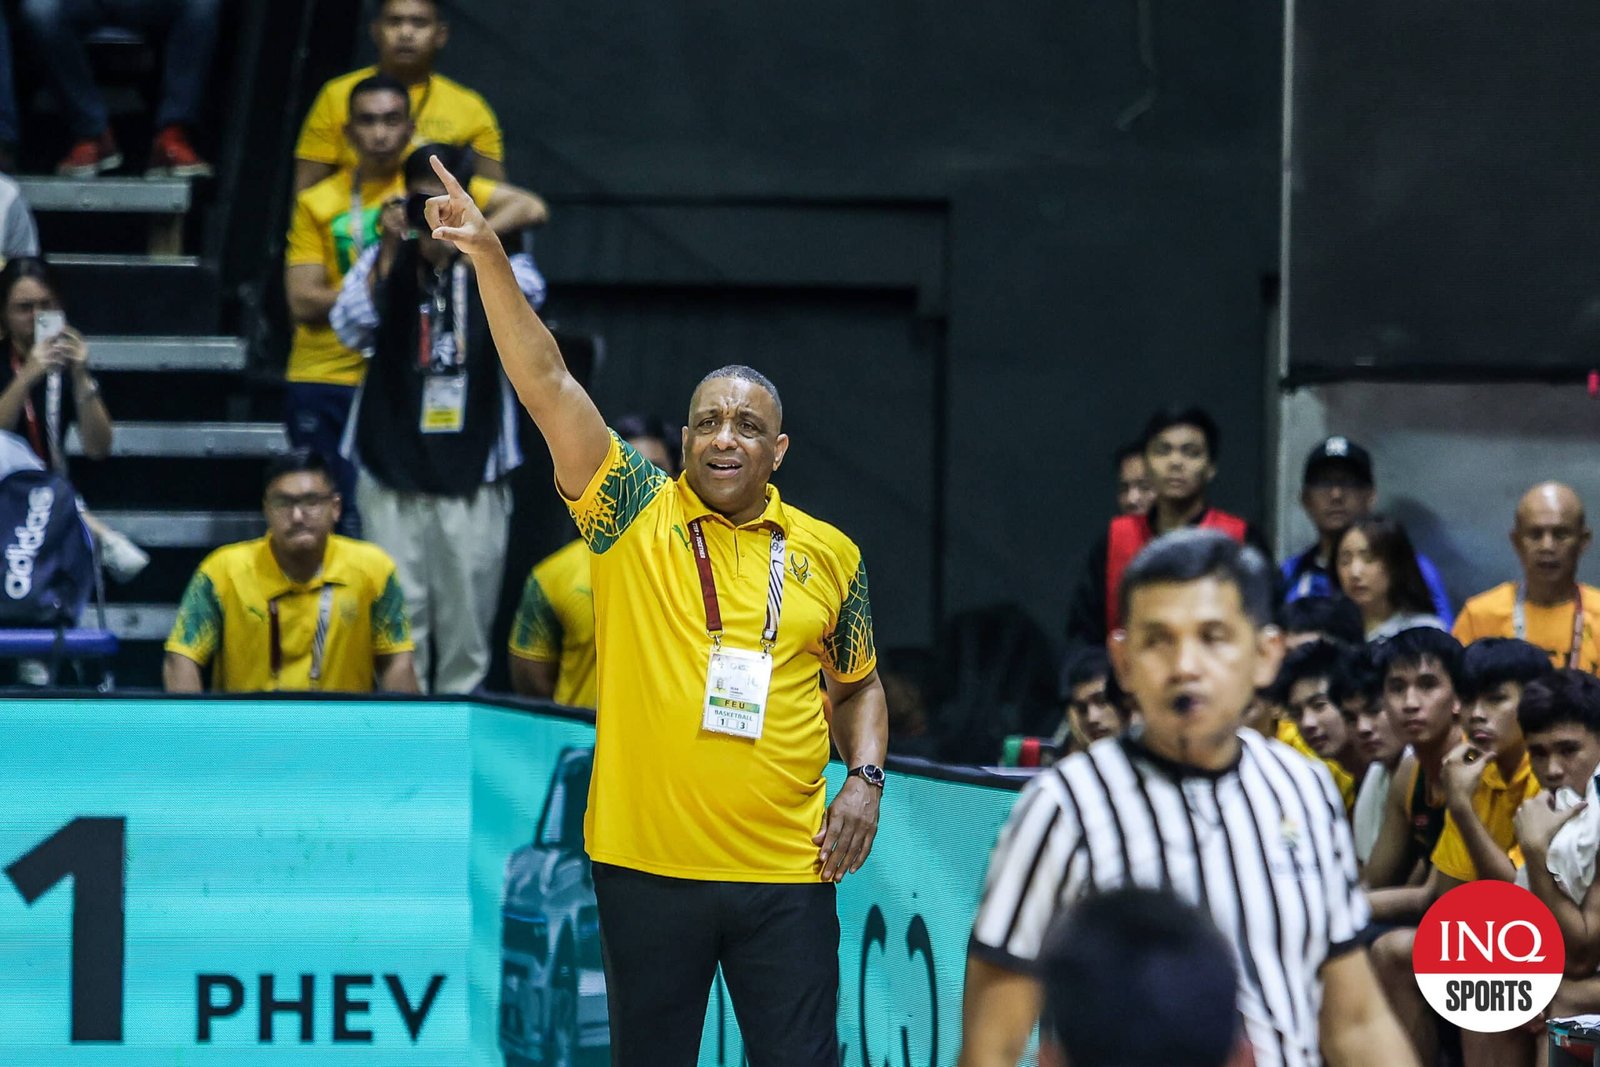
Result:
[{"x": 1342, "y": 451}]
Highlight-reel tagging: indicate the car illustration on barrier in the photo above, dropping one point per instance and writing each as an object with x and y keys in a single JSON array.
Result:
[{"x": 552, "y": 984}]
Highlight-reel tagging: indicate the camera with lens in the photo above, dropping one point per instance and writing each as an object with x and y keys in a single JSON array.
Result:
[{"x": 416, "y": 215}]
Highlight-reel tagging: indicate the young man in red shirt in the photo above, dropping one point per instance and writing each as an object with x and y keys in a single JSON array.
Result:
[{"x": 1180, "y": 451}]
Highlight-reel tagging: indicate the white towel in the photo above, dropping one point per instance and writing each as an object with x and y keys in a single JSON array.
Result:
[{"x": 1572, "y": 852}]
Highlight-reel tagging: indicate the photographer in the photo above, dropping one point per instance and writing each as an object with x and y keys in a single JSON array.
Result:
[
  {"x": 334, "y": 222},
  {"x": 435, "y": 427}
]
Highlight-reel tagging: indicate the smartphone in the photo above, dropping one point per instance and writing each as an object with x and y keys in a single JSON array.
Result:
[{"x": 47, "y": 325}]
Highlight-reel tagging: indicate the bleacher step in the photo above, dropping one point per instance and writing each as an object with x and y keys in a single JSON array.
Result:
[
  {"x": 140, "y": 196},
  {"x": 134, "y": 354},
  {"x": 185, "y": 529},
  {"x": 120, "y": 261},
  {"x": 156, "y": 295},
  {"x": 183, "y": 440},
  {"x": 139, "y": 622}
]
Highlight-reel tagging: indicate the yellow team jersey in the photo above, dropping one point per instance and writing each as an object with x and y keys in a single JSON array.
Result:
[
  {"x": 331, "y": 225},
  {"x": 444, "y": 111},
  {"x": 667, "y": 797},
  {"x": 555, "y": 622},
  {"x": 1493, "y": 614},
  {"x": 1290, "y": 735},
  {"x": 224, "y": 619},
  {"x": 1495, "y": 801}
]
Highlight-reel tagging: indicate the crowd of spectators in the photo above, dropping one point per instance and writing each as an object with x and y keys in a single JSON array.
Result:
[{"x": 1463, "y": 744}]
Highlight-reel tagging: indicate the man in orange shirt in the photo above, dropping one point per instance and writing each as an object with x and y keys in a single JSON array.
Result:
[{"x": 1548, "y": 607}]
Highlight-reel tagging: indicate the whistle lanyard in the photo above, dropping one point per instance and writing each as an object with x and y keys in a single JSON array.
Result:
[
  {"x": 1519, "y": 622},
  {"x": 708, "y": 587},
  {"x": 319, "y": 641},
  {"x": 434, "y": 310}
]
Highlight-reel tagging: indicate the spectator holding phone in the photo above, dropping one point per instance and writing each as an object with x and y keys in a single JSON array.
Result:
[
  {"x": 45, "y": 354},
  {"x": 46, "y": 386}
]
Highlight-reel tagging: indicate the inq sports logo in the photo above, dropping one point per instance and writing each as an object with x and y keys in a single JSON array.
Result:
[
  {"x": 1488, "y": 956},
  {"x": 20, "y": 552}
]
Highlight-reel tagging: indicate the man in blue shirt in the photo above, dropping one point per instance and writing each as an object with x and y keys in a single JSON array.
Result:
[{"x": 1336, "y": 490}]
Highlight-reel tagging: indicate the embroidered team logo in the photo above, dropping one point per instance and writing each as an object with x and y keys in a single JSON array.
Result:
[
  {"x": 800, "y": 568},
  {"x": 1293, "y": 860}
]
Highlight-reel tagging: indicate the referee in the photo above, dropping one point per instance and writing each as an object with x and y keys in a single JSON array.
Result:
[
  {"x": 717, "y": 606},
  {"x": 1245, "y": 828}
]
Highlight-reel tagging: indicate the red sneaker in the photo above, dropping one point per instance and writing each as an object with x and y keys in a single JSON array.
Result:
[
  {"x": 173, "y": 156},
  {"x": 91, "y": 156}
]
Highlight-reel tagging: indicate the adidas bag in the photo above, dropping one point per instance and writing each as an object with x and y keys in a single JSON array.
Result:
[{"x": 45, "y": 552}]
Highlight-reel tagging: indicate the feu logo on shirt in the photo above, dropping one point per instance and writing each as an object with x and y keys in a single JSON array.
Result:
[{"x": 800, "y": 568}]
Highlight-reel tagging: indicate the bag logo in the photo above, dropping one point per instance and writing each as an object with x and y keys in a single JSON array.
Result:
[{"x": 20, "y": 553}]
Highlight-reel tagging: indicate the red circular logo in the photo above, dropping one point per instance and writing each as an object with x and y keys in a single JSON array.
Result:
[{"x": 1489, "y": 956}]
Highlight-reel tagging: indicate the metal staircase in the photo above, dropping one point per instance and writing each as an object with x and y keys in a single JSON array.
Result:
[{"x": 193, "y": 424}]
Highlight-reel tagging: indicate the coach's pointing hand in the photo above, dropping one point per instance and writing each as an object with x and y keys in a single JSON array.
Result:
[
  {"x": 455, "y": 218},
  {"x": 848, "y": 828}
]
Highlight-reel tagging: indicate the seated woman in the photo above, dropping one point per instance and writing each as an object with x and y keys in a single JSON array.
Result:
[
  {"x": 1375, "y": 566},
  {"x": 46, "y": 386}
]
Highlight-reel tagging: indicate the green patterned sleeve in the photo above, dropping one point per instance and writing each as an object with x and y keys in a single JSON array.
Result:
[
  {"x": 622, "y": 488},
  {"x": 536, "y": 631},
  {"x": 391, "y": 629},
  {"x": 848, "y": 653},
  {"x": 197, "y": 631}
]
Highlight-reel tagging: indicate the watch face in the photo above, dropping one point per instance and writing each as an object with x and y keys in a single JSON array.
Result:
[{"x": 873, "y": 773}]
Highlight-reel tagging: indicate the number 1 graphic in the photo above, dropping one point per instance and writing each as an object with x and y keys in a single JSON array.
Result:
[{"x": 93, "y": 852}]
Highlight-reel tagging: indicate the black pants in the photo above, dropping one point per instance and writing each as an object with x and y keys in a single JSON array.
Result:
[{"x": 778, "y": 946}]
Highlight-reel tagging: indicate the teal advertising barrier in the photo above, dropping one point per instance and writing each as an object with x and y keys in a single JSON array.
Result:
[{"x": 244, "y": 882}]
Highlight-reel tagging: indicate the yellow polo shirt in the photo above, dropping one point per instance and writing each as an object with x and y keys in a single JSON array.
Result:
[
  {"x": 223, "y": 619},
  {"x": 444, "y": 111},
  {"x": 555, "y": 622},
  {"x": 1492, "y": 614},
  {"x": 667, "y": 797},
  {"x": 329, "y": 228},
  {"x": 1495, "y": 801},
  {"x": 1290, "y": 735}
]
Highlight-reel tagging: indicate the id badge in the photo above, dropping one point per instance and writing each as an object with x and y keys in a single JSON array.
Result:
[
  {"x": 736, "y": 692},
  {"x": 444, "y": 403}
]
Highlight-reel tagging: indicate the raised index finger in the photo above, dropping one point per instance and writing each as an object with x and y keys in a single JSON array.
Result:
[{"x": 451, "y": 186}]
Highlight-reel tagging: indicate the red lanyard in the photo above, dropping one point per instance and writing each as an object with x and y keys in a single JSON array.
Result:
[
  {"x": 708, "y": 586},
  {"x": 28, "y": 415},
  {"x": 1519, "y": 622},
  {"x": 319, "y": 640}
]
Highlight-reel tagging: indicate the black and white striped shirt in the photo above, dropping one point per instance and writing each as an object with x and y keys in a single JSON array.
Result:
[{"x": 1263, "y": 846}]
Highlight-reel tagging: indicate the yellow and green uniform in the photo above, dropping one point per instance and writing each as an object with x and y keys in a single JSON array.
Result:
[
  {"x": 555, "y": 623},
  {"x": 224, "y": 618},
  {"x": 1290, "y": 735},
  {"x": 1495, "y": 802},
  {"x": 329, "y": 228},
  {"x": 443, "y": 111},
  {"x": 667, "y": 797}
]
